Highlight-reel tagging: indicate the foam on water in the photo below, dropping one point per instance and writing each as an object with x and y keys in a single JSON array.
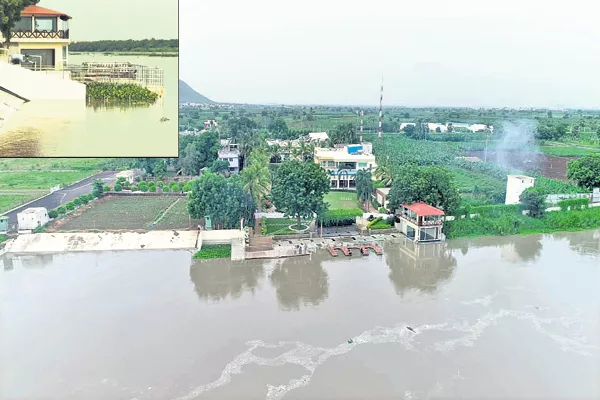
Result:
[{"x": 311, "y": 357}]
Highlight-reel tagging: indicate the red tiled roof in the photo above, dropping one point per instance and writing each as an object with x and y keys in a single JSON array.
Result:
[
  {"x": 41, "y": 11},
  {"x": 423, "y": 210}
]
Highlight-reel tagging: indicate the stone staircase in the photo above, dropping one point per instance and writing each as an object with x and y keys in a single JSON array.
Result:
[{"x": 260, "y": 243}]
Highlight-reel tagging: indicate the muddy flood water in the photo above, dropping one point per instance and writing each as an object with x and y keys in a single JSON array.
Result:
[
  {"x": 515, "y": 317},
  {"x": 73, "y": 128}
]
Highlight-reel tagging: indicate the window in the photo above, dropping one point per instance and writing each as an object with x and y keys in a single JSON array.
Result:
[
  {"x": 231, "y": 169},
  {"x": 362, "y": 165},
  {"x": 45, "y": 24},
  {"x": 323, "y": 163},
  {"x": 331, "y": 163},
  {"x": 24, "y": 24}
]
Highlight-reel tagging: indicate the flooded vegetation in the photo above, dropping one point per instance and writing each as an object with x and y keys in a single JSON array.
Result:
[
  {"x": 68, "y": 128},
  {"x": 453, "y": 319}
]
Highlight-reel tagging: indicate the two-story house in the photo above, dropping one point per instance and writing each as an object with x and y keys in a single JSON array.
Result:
[
  {"x": 229, "y": 152},
  {"x": 42, "y": 36},
  {"x": 342, "y": 163}
]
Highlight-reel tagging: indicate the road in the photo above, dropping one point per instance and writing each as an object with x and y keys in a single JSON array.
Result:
[{"x": 63, "y": 196}]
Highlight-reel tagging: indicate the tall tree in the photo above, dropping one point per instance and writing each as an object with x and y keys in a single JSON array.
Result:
[
  {"x": 10, "y": 14},
  {"x": 278, "y": 127},
  {"x": 585, "y": 171},
  {"x": 432, "y": 185},
  {"x": 256, "y": 177},
  {"x": 298, "y": 189},
  {"x": 364, "y": 186},
  {"x": 384, "y": 173},
  {"x": 534, "y": 200},
  {"x": 344, "y": 134},
  {"x": 199, "y": 153},
  {"x": 224, "y": 200}
]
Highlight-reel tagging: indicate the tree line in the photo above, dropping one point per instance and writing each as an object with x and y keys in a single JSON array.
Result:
[{"x": 130, "y": 45}]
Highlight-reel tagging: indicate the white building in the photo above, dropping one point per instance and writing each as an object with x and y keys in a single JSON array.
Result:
[
  {"x": 515, "y": 185},
  {"x": 129, "y": 175},
  {"x": 343, "y": 162},
  {"x": 433, "y": 127},
  {"x": 229, "y": 152},
  {"x": 318, "y": 136},
  {"x": 32, "y": 217}
]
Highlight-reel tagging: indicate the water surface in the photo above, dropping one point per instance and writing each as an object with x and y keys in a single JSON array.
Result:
[
  {"x": 514, "y": 317},
  {"x": 67, "y": 128}
]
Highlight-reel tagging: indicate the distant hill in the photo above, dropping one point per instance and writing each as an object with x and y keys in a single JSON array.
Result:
[{"x": 189, "y": 95}]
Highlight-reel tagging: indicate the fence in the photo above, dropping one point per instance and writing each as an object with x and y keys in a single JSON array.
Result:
[
  {"x": 129, "y": 193},
  {"x": 555, "y": 198},
  {"x": 150, "y": 77}
]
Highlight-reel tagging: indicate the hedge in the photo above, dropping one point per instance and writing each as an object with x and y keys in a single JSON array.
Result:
[
  {"x": 574, "y": 204},
  {"x": 340, "y": 217}
]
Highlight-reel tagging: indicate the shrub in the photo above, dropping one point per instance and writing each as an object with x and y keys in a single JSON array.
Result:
[
  {"x": 340, "y": 217},
  {"x": 134, "y": 188},
  {"x": 152, "y": 189},
  {"x": 118, "y": 188},
  {"x": 53, "y": 214},
  {"x": 174, "y": 187},
  {"x": 534, "y": 200},
  {"x": 574, "y": 204},
  {"x": 61, "y": 210},
  {"x": 187, "y": 187},
  {"x": 181, "y": 185},
  {"x": 373, "y": 222},
  {"x": 106, "y": 188},
  {"x": 84, "y": 199},
  {"x": 263, "y": 226},
  {"x": 121, "y": 179},
  {"x": 151, "y": 183},
  {"x": 165, "y": 189},
  {"x": 77, "y": 201},
  {"x": 382, "y": 210},
  {"x": 70, "y": 205},
  {"x": 144, "y": 188},
  {"x": 137, "y": 179},
  {"x": 160, "y": 184}
]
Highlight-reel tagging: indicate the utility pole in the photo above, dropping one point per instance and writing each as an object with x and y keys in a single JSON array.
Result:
[{"x": 381, "y": 109}]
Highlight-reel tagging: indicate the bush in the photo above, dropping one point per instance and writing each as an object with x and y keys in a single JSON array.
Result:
[
  {"x": 118, "y": 188},
  {"x": 106, "y": 188},
  {"x": 134, "y": 188},
  {"x": 373, "y": 222},
  {"x": 382, "y": 210},
  {"x": 144, "y": 188},
  {"x": 121, "y": 180},
  {"x": 152, "y": 189},
  {"x": 77, "y": 201},
  {"x": 61, "y": 210},
  {"x": 70, "y": 205},
  {"x": 151, "y": 183},
  {"x": 534, "y": 200},
  {"x": 165, "y": 189},
  {"x": 340, "y": 217},
  {"x": 574, "y": 204},
  {"x": 263, "y": 226},
  {"x": 174, "y": 187},
  {"x": 137, "y": 179},
  {"x": 160, "y": 184},
  {"x": 181, "y": 185},
  {"x": 84, "y": 199},
  {"x": 187, "y": 187},
  {"x": 53, "y": 214}
]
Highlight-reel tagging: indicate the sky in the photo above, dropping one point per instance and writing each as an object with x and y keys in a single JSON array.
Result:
[
  {"x": 461, "y": 53},
  {"x": 118, "y": 19}
]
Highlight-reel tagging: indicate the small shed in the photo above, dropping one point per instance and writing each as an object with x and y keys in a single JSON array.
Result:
[
  {"x": 3, "y": 224},
  {"x": 515, "y": 186},
  {"x": 421, "y": 222},
  {"x": 381, "y": 195},
  {"x": 32, "y": 218}
]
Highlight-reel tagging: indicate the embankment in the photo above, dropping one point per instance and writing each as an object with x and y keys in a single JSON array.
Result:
[{"x": 102, "y": 241}]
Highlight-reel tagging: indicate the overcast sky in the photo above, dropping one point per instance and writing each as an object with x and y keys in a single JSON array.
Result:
[
  {"x": 118, "y": 19},
  {"x": 514, "y": 53}
]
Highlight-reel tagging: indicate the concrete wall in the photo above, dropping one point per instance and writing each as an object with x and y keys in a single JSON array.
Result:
[{"x": 34, "y": 85}]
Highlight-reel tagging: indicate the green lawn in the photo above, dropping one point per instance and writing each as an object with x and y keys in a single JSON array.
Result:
[
  {"x": 48, "y": 164},
  {"x": 341, "y": 200},
  {"x": 39, "y": 180},
  {"x": 279, "y": 226},
  {"x": 10, "y": 201}
]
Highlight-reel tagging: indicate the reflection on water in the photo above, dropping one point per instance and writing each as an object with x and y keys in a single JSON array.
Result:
[
  {"x": 218, "y": 279},
  {"x": 67, "y": 128},
  {"x": 423, "y": 267},
  {"x": 299, "y": 281}
]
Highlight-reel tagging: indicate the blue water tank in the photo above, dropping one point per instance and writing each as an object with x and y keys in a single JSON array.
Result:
[{"x": 354, "y": 149}]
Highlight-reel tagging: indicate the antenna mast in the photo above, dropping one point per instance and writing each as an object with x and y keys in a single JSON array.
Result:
[
  {"x": 362, "y": 114},
  {"x": 381, "y": 108}
]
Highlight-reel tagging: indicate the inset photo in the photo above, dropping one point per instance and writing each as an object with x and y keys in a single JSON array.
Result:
[{"x": 89, "y": 78}]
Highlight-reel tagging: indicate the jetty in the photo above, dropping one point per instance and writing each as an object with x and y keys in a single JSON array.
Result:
[{"x": 347, "y": 250}]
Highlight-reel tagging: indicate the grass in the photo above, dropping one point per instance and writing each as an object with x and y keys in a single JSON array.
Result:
[
  {"x": 177, "y": 217},
  {"x": 467, "y": 181},
  {"x": 341, "y": 200},
  {"x": 114, "y": 213},
  {"x": 567, "y": 151},
  {"x": 280, "y": 226},
  {"x": 3, "y": 238},
  {"x": 10, "y": 201},
  {"x": 39, "y": 179},
  {"x": 49, "y": 164},
  {"x": 214, "y": 251}
]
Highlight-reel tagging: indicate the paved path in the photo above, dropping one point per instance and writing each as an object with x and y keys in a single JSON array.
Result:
[{"x": 64, "y": 195}]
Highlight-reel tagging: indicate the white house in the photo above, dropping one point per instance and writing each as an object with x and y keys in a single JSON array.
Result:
[
  {"x": 129, "y": 175},
  {"x": 515, "y": 185},
  {"x": 32, "y": 217},
  {"x": 229, "y": 152},
  {"x": 318, "y": 136}
]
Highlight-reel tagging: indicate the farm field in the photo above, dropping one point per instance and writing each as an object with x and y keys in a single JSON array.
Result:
[
  {"x": 341, "y": 200},
  {"x": 43, "y": 180},
  {"x": 177, "y": 217},
  {"x": 115, "y": 213},
  {"x": 567, "y": 151},
  {"x": 468, "y": 181},
  {"x": 48, "y": 164},
  {"x": 10, "y": 201}
]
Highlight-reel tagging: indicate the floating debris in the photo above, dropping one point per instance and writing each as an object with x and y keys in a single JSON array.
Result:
[
  {"x": 350, "y": 341},
  {"x": 163, "y": 119},
  {"x": 411, "y": 329}
]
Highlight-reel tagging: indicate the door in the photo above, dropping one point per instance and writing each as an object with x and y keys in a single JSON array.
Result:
[{"x": 45, "y": 58}]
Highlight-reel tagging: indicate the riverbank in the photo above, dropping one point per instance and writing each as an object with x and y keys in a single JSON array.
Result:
[{"x": 128, "y": 53}]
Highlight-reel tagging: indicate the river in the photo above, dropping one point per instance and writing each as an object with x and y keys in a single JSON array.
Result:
[
  {"x": 67, "y": 128},
  {"x": 512, "y": 317}
]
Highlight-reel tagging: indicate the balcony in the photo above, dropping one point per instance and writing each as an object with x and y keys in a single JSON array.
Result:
[
  {"x": 421, "y": 222},
  {"x": 26, "y": 34}
]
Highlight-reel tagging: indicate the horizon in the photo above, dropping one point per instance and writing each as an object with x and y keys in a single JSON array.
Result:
[{"x": 463, "y": 54}]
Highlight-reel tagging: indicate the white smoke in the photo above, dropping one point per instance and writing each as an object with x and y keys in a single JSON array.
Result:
[{"x": 517, "y": 144}]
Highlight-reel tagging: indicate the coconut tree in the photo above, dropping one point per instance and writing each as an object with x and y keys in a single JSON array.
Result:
[
  {"x": 384, "y": 173},
  {"x": 364, "y": 186},
  {"x": 256, "y": 177}
]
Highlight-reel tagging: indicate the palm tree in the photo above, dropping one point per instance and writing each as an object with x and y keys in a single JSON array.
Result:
[
  {"x": 364, "y": 186},
  {"x": 384, "y": 173},
  {"x": 305, "y": 152},
  {"x": 256, "y": 176}
]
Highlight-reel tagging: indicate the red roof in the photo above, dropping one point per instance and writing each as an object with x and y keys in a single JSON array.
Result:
[
  {"x": 423, "y": 210},
  {"x": 41, "y": 11}
]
